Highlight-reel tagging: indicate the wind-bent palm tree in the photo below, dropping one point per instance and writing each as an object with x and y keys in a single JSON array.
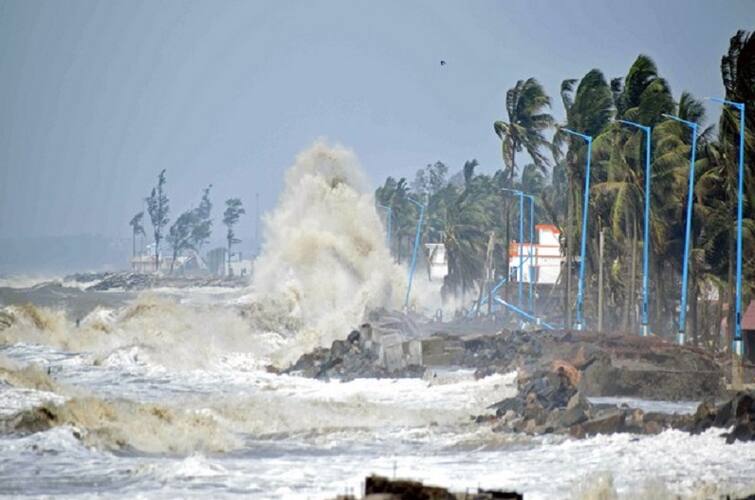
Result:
[
  {"x": 527, "y": 121},
  {"x": 137, "y": 228},
  {"x": 526, "y": 105},
  {"x": 587, "y": 111}
]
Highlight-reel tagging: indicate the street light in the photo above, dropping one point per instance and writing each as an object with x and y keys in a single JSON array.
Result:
[
  {"x": 688, "y": 229},
  {"x": 521, "y": 240},
  {"x": 416, "y": 247},
  {"x": 583, "y": 243},
  {"x": 388, "y": 223},
  {"x": 646, "y": 229},
  {"x": 737, "y": 346}
]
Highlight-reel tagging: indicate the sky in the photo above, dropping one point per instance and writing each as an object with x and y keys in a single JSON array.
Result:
[{"x": 96, "y": 97}]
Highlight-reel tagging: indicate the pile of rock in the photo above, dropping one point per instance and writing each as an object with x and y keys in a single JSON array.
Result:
[
  {"x": 382, "y": 488},
  {"x": 609, "y": 364},
  {"x": 123, "y": 281},
  {"x": 364, "y": 353},
  {"x": 550, "y": 402},
  {"x": 737, "y": 414}
]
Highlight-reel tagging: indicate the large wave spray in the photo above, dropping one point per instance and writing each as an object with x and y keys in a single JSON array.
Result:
[{"x": 324, "y": 254}]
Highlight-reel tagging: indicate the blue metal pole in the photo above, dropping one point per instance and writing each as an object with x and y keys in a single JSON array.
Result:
[
  {"x": 414, "y": 252},
  {"x": 532, "y": 242},
  {"x": 645, "y": 231},
  {"x": 680, "y": 337},
  {"x": 388, "y": 224},
  {"x": 583, "y": 244},
  {"x": 521, "y": 236},
  {"x": 521, "y": 248},
  {"x": 737, "y": 345}
]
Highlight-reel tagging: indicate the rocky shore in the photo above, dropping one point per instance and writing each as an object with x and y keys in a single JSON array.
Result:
[
  {"x": 129, "y": 281},
  {"x": 606, "y": 364},
  {"x": 550, "y": 402},
  {"x": 559, "y": 372}
]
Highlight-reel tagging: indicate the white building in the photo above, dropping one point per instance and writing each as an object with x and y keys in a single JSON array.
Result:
[
  {"x": 541, "y": 261},
  {"x": 437, "y": 262}
]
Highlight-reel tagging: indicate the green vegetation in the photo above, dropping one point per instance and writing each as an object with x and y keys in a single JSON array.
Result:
[
  {"x": 233, "y": 211},
  {"x": 471, "y": 215},
  {"x": 158, "y": 208},
  {"x": 191, "y": 230}
]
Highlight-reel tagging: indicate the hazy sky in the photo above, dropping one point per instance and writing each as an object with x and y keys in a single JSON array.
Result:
[{"x": 97, "y": 96}]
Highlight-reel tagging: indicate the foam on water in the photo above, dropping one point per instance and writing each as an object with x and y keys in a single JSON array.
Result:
[{"x": 324, "y": 255}]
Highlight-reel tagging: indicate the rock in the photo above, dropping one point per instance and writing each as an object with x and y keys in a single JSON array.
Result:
[
  {"x": 574, "y": 413},
  {"x": 743, "y": 431},
  {"x": 608, "y": 424},
  {"x": 651, "y": 427},
  {"x": 353, "y": 337},
  {"x": 378, "y": 487}
]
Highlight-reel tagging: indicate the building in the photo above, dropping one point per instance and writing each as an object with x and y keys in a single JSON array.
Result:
[
  {"x": 542, "y": 261},
  {"x": 189, "y": 263},
  {"x": 437, "y": 262},
  {"x": 748, "y": 333}
]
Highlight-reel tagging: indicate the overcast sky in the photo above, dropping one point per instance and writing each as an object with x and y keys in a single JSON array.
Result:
[{"x": 97, "y": 96}]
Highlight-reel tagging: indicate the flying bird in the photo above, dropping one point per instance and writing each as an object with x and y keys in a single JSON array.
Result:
[{"x": 442, "y": 62}]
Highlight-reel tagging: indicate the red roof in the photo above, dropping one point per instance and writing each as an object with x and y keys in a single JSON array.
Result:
[
  {"x": 547, "y": 227},
  {"x": 748, "y": 320}
]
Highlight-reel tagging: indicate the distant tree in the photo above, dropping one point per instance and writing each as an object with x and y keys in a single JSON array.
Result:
[
  {"x": 233, "y": 210},
  {"x": 158, "y": 208},
  {"x": 180, "y": 233},
  {"x": 202, "y": 227},
  {"x": 136, "y": 229}
]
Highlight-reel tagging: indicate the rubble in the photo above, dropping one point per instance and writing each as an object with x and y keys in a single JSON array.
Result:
[{"x": 383, "y": 488}]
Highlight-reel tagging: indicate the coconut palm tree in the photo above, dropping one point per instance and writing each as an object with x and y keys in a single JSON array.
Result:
[
  {"x": 527, "y": 121},
  {"x": 588, "y": 111}
]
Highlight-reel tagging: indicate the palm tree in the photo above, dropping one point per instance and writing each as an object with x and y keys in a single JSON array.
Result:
[
  {"x": 526, "y": 105},
  {"x": 527, "y": 122},
  {"x": 394, "y": 194},
  {"x": 137, "y": 228},
  {"x": 588, "y": 111}
]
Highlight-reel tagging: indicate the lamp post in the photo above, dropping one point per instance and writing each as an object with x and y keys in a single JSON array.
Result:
[
  {"x": 645, "y": 230},
  {"x": 388, "y": 224},
  {"x": 737, "y": 345},
  {"x": 583, "y": 244},
  {"x": 414, "y": 252},
  {"x": 688, "y": 228},
  {"x": 520, "y": 275}
]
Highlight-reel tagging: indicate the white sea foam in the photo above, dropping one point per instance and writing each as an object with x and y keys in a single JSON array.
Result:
[{"x": 324, "y": 255}]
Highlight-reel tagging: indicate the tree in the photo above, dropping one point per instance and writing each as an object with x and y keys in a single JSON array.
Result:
[
  {"x": 587, "y": 111},
  {"x": 202, "y": 227},
  {"x": 137, "y": 228},
  {"x": 394, "y": 194},
  {"x": 233, "y": 212},
  {"x": 180, "y": 234},
  {"x": 158, "y": 209},
  {"x": 527, "y": 122}
]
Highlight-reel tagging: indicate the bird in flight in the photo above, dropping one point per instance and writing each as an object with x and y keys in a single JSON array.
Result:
[{"x": 442, "y": 62}]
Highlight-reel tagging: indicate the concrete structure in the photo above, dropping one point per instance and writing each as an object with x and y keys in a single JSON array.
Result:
[
  {"x": 437, "y": 262},
  {"x": 546, "y": 263},
  {"x": 191, "y": 262}
]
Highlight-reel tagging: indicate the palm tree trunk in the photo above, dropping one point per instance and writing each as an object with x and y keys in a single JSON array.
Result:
[
  {"x": 719, "y": 319},
  {"x": 693, "y": 295},
  {"x": 730, "y": 295},
  {"x": 567, "y": 265},
  {"x": 633, "y": 282}
]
